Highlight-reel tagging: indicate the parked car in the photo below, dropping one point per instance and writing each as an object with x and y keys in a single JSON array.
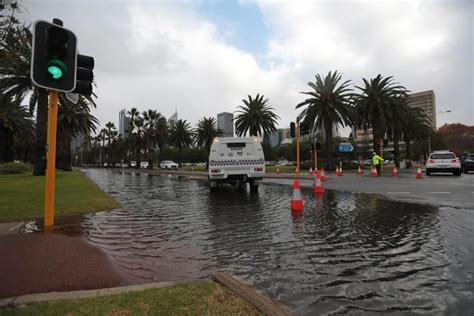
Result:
[
  {"x": 168, "y": 164},
  {"x": 124, "y": 165},
  {"x": 144, "y": 164},
  {"x": 367, "y": 162},
  {"x": 118, "y": 165},
  {"x": 443, "y": 161},
  {"x": 133, "y": 164},
  {"x": 467, "y": 163}
]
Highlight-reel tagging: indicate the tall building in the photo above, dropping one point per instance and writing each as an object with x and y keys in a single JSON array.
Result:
[
  {"x": 225, "y": 121},
  {"x": 427, "y": 101},
  {"x": 273, "y": 138},
  {"x": 124, "y": 122},
  {"x": 173, "y": 118}
]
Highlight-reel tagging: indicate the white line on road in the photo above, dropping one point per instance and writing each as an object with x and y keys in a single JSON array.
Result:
[
  {"x": 439, "y": 192},
  {"x": 398, "y": 192}
]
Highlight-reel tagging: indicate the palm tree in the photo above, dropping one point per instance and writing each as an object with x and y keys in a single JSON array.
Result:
[
  {"x": 205, "y": 132},
  {"x": 416, "y": 127},
  {"x": 15, "y": 82},
  {"x": 329, "y": 105},
  {"x": 256, "y": 117},
  {"x": 15, "y": 124},
  {"x": 181, "y": 135},
  {"x": 379, "y": 99},
  {"x": 150, "y": 119}
]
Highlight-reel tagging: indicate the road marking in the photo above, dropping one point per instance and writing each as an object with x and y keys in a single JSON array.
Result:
[
  {"x": 398, "y": 192},
  {"x": 439, "y": 192}
]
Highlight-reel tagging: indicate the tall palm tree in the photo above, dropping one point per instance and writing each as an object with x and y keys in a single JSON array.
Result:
[
  {"x": 329, "y": 105},
  {"x": 376, "y": 103},
  {"x": 150, "y": 118},
  {"x": 181, "y": 135},
  {"x": 205, "y": 132},
  {"x": 255, "y": 117},
  {"x": 416, "y": 127}
]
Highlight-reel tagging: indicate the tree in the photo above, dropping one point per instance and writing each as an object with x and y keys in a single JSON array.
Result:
[
  {"x": 256, "y": 117},
  {"x": 205, "y": 132},
  {"x": 328, "y": 105},
  {"x": 150, "y": 119},
  {"x": 15, "y": 124},
  {"x": 416, "y": 127},
  {"x": 181, "y": 135},
  {"x": 375, "y": 105}
]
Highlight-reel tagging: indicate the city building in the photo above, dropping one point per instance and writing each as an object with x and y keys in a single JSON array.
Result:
[
  {"x": 425, "y": 100},
  {"x": 124, "y": 123},
  {"x": 273, "y": 138},
  {"x": 173, "y": 119},
  {"x": 225, "y": 121}
]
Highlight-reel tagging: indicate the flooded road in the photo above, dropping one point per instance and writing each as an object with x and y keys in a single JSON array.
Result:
[{"x": 346, "y": 253}]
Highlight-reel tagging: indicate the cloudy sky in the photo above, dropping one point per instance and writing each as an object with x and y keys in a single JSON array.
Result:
[{"x": 203, "y": 57}]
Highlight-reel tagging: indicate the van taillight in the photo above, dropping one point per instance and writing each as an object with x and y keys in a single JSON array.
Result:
[
  {"x": 258, "y": 169},
  {"x": 215, "y": 170},
  {"x": 430, "y": 161},
  {"x": 456, "y": 160}
]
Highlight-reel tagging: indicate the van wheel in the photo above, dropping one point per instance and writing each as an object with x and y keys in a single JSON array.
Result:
[{"x": 253, "y": 186}]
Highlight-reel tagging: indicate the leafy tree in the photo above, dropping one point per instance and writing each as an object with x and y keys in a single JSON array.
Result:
[
  {"x": 376, "y": 104},
  {"x": 328, "y": 105},
  {"x": 205, "y": 132},
  {"x": 255, "y": 117},
  {"x": 181, "y": 135}
]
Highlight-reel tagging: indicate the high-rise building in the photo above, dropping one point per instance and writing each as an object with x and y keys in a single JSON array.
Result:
[
  {"x": 427, "y": 101},
  {"x": 225, "y": 121},
  {"x": 124, "y": 122},
  {"x": 173, "y": 118}
]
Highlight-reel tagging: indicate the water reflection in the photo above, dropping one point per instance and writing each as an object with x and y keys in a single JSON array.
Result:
[{"x": 345, "y": 253}]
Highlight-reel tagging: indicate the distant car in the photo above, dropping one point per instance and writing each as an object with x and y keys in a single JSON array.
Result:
[
  {"x": 467, "y": 163},
  {"x": 118, "y": 165},
  {"x": 144, "y": 164},
  {"x": 443, "y": 161},
  {"x": 270, "y": 163},
  {"x": 168, "y": 164},
  {"x": 133, "y": 164},
  {"x": 367, "y": 162},
  {"x": 124, "y": 165},
  {"x": 106, "y": 164}
]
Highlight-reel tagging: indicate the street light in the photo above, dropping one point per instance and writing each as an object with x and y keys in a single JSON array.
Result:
[{"x": 429, "y": 134}]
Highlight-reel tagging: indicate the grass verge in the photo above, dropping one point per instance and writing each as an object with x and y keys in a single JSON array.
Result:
[
  {"x": 22, "y": 196},
  {"x": 200, "y": 298}
]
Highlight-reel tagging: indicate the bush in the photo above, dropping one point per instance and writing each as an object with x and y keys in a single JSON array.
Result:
[{"x": 15, "y": 168}]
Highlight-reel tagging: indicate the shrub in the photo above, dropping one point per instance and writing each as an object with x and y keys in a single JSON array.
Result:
[{"x": 15, "y": 168}]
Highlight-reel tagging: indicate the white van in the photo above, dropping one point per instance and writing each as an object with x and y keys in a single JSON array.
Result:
[{"x": 236, "y": 160}]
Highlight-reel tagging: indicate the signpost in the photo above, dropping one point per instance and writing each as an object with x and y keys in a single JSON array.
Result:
[{"x": 345, "y": 148}]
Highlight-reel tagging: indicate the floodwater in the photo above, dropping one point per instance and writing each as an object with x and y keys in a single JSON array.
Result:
[{"x": 347, "y": 253}]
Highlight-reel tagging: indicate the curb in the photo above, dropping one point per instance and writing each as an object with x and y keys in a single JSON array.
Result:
[
  {"x": 251, "y": 295},
  {"x": 56, "y": 296}
]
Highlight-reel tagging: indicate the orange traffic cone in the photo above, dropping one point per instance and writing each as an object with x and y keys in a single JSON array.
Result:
[
  {"x": 310, "y": 171},
  {"x": 318, "y": 187},
  {"x": 323, "y": 175},
  {"x": 337, "y": 171},
  {"x": 296, "y": 201},
  {"x": 419, "y": 175},
  {"x": 373, "y": 173},
  {"x": 340, "y": 172},
  {"x": 395, "y": 172},
  {"x": 278, "y": 171},
  {"x": 359, "y": 171}
]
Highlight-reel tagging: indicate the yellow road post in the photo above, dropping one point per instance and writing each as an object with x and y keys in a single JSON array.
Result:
[{"x": 51, "y": 159}]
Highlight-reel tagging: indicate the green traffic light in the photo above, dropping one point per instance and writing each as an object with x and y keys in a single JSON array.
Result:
[
  {"x": 55, "y": 71},
  {"x": 57, "y": 68}
]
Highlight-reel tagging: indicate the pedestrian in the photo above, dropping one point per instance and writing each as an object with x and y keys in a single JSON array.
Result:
[{"x": 376, "y": 159}]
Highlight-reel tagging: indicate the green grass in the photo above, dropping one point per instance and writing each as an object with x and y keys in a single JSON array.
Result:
[
  {"x": 22, "y": 196},
  {"x": 203, "y": 298}
]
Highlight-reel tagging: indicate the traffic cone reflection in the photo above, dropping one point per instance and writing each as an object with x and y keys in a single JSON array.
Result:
[
  {"x": 419, "y": 174},
  {"x": 296, "y": 202},
  {"x": 395, "y": 172},
  {"x": 310, "y": 171},
  {"x": 278, "y": 171},
  {"x": 359, "y": 171},
  {"x": 340, "y": 172}
]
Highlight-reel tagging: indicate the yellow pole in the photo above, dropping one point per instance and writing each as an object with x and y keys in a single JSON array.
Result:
[
  {"x": 298, "y": 148},
  {"x": 51, "y": 159},
  {"x": 381, "y": 152},
  {"x": 315, "y": 157}
]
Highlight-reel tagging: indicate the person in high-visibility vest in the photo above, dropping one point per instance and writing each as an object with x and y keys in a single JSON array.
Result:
[{"x": 376, "y": 159}]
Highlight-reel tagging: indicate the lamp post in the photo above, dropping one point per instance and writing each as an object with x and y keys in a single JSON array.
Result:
[{"x": 429, "y": 134}]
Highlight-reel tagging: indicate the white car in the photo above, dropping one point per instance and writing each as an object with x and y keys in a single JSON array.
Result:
[
  {"x": 133, "y": 164},
  {"x": 144, "y": 164},
  {"x": 443, "y": 161},
  {"x": 168, "y": 164}
]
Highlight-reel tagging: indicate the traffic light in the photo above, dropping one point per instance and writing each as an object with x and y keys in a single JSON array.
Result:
[
  {"x": 84, "y": 75},
  {"x": 54, "y": 57},
  {"x": 292, "y": 129}
]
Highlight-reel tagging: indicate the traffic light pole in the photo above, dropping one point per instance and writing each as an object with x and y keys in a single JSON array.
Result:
[
  {"x": 51, "y": 159},
  {"x": 298, "y": 148}
]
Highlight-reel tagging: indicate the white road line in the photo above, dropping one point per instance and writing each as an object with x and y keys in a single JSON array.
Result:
[
  {"x": 439, "y": 192},
  {"x": 398, "y": 192}
]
